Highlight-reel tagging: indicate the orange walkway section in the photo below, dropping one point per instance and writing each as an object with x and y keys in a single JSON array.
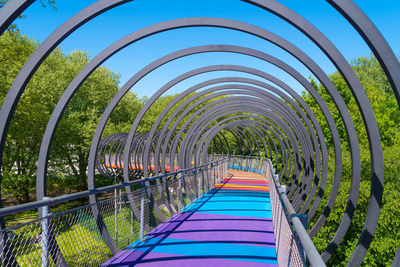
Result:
[{"x": 241, "y": 180}]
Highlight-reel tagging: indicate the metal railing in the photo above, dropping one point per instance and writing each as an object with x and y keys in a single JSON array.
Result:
[
  {"x": 74, "y": 238},
  {"x": 288, "y": 249},
  {"x": 294, "y": 246},
  {"x": 297, "y": 225},
  {"x": 248, "y": 163}
]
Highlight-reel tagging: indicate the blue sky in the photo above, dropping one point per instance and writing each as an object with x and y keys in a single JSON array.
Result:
[{"x": 99, "y": 33}]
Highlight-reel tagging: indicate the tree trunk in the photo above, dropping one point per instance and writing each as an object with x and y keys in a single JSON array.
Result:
[{"x": 82, "y": 163}]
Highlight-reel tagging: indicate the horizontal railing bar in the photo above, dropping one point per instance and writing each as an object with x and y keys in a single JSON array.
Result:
[{"x": 56, "y": 200}]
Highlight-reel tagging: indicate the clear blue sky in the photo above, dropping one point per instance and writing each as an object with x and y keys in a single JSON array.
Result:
[{"x": 114, "y": 24}]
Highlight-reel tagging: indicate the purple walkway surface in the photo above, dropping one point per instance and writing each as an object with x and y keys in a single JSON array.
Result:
[{"x": 226, "y": 227}]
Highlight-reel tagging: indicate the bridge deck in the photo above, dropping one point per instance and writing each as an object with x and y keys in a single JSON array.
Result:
[{"x": 229, "y": 226}]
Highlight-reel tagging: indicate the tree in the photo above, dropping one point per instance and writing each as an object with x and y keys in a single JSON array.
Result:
[
  {"x": 74, "y": 135},
  {"x": 72, "y": 140},
  {"x": 18, "y": 167},
  {"x": 387, "y": 114}
]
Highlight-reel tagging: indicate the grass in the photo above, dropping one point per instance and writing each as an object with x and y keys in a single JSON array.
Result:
[
  {"x": 75, "y": 249},
  {"x": 80, "y": 242},
  {"x": 127, "y": 229}
]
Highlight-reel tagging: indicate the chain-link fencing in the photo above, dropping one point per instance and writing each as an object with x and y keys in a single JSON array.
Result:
[
  {"x": 76, "y": 237},
  {"x": 288, "y": 248}
]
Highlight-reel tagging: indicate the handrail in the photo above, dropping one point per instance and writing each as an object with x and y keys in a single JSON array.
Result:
[
  {"x": 311, "y": 251},
  {"x": 52, "y": 201}
]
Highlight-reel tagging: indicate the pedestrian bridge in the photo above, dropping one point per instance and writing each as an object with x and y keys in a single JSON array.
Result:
[{"x": 237, "y": 169}]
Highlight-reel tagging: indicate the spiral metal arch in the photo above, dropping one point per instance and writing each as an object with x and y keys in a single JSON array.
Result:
[{"x": 295, "y": 134}]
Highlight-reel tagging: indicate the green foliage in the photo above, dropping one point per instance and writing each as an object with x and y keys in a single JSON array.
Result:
[
  {"x": 19, "y": 186},
  {"x": 18, "y": 163},
  {"x": 383, "y": 102},
  {"x": 72, "y": 139},
  {"x": 75, "y": 252}
]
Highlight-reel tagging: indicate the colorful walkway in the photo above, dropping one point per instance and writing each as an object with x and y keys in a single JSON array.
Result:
[{"x": 229, "y": 226}]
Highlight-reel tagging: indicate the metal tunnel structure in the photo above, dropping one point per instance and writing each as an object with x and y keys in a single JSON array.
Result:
[{"x": 269, "y": 121}]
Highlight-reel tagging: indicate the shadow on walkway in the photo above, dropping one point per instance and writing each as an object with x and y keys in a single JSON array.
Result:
[{"x": 229, "y": 226}]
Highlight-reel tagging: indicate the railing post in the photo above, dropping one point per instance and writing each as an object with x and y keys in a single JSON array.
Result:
[
  {"x": 238, "y": 161},
  {"x": 213, "y": 175},
  {"x": 45, "y": 234},
  {"x": 226, "y": 170},
  {"x": 142, "y": 211},
  {"x": 198, "y": 183},
  {"x": 131, "y": 222},
  {"x": 195, "y": 181},
  {"x": 220, "y": 165},
  {"x": 203, "y": 179},
  {"x": 220, "y": 171},
  {"x": 115, "y": 216},
  {"x": 210, "y": 172},
  {"x": 282, "y": 186},
  {"x": 179, "y": 199}
]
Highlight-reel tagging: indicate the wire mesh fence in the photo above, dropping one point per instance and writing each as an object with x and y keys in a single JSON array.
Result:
[
  {"x": 72, "y": 238},
  {"x": 75, "y": 237},
  {"x": 288, "y": 249}
]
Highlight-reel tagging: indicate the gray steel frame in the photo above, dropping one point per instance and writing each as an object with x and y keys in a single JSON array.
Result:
[{"x": 297, "y": 133}]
